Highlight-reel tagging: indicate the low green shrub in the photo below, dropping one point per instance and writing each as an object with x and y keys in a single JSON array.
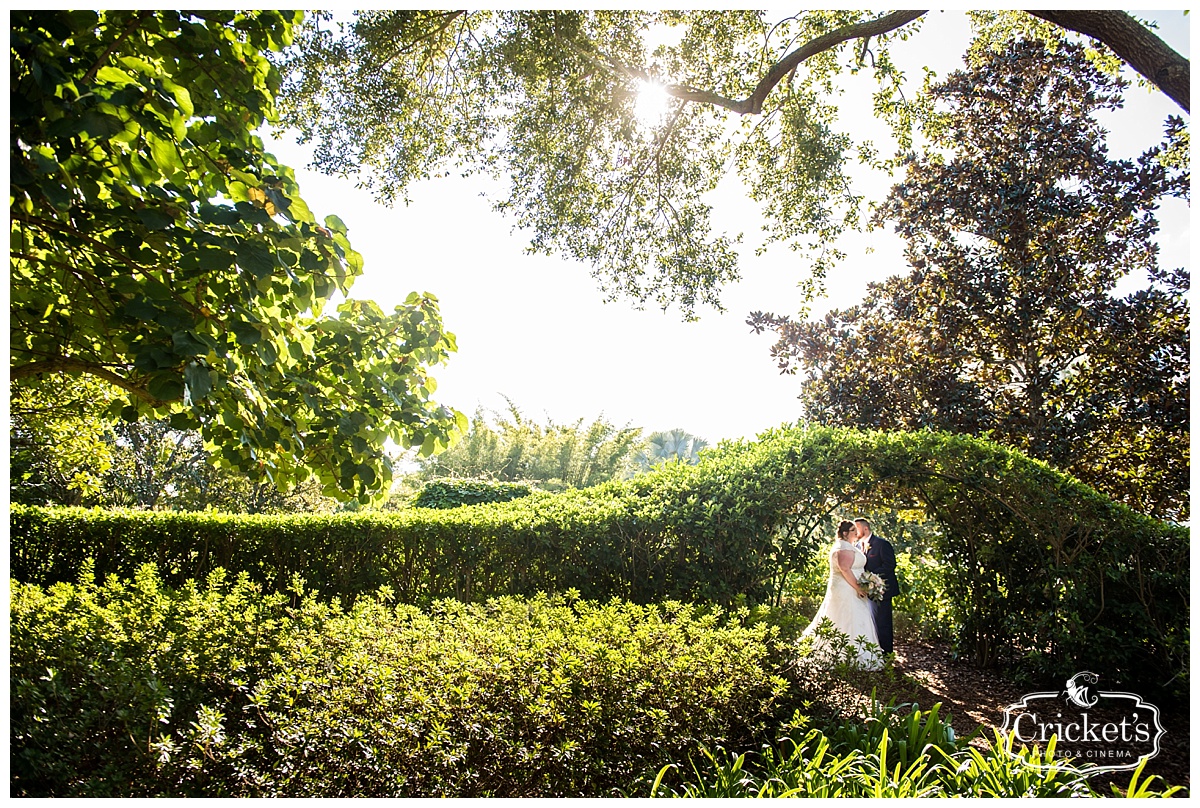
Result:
[
  {"x": 130, "y": 688},
  {"x": 455, "y": 493},
  {"x": 911, "y": 733}
]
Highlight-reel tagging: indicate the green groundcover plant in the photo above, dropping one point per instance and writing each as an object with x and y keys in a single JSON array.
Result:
[
  {"x": 132, "y": 688},
  {"x": 899, "y": 751}
]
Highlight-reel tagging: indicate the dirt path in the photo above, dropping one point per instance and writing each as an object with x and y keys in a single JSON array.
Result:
[{"x": 977, "y": 697}]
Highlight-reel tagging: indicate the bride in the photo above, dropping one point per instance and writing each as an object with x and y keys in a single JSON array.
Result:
[{"x": 846, "y": 607}]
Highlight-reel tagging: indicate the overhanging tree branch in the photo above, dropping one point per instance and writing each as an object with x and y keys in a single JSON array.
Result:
[
  {"x": 66, "y": 364},
  {"x": 1126, "y": 37},
  {"x": 753, "y": 104},
  {"x": 860, "y": 30},
  {"x": 1135, "y": 44}
]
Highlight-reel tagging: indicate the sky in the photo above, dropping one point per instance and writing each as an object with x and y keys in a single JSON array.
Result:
[{"x": 535, "y": 329}]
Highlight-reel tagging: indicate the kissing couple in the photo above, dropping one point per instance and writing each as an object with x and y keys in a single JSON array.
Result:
[{"x": 858, "y": 596}]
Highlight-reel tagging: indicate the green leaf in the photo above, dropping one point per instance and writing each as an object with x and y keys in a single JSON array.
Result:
[
  {"x": 155, "y": 219},
  {"x": 198, "y": 381},
  {"x": 215, "y": 260},
  {"x": 165, "y": 386},
  {"x": 256, "y": 258},
  {"x": 114, "y": 75},
  {"x": 99, "y": 125},
  {"x": 220, "y": 214},
  {"x": 182, "y": 98},
  {"x": 186, "y": 344},
  {"x": 239, "y": 191},
  {"x": 164, "y": 154},
  {"x": 247, "y": 334},
  {"x": 267, "y": 353},
  {"x": 142, "y": 309}
]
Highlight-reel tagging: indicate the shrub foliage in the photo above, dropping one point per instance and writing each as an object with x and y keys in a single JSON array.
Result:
[
  {"x": 453, "y": 493},
  {"x": 1042, "y": 571},
  {"x": 129, "y": 688}
]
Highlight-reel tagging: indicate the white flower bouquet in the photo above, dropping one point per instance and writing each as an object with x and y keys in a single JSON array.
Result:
[{"x": 875, "y": 586}]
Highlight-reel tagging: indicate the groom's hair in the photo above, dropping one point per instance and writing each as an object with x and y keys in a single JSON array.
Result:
[{"x": 862, "y": 521}]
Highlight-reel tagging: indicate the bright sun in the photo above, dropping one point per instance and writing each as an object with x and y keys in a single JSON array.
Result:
[{"x": 651, "y": 102}]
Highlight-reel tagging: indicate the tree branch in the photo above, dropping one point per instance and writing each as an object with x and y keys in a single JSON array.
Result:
[
  {"x": 66, "y": 364},
  {"x": 753, "y": 104},
  {"x": 129, "y": 29},
  {"x": 859, "y": 30},
  {"x": 1138, "y": 46}
]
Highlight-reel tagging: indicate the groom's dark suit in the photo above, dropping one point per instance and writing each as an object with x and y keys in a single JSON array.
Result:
[{"x": 881, "y": 559}]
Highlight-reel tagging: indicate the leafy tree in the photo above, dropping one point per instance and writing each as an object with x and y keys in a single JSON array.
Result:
[
  {"x": 674, "y": 445},
  {"x": 153, "y": 464},
  {"x": 517, "y": 448},
  {"x": 58, "y": 452},
  {"x": 156, "y": 467},
  {"x": 546, "y": 100},
  {"x": 156, "y": 247},
  {"x": 1018, "y": 229},
  {"x": 143, "y": 464}
]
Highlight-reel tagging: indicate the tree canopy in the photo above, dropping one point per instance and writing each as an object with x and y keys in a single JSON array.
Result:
[
  {"x": 547, "y": 100},
  {"x": 156, "y": 247},
  {"x": 1019, "y": 227}
]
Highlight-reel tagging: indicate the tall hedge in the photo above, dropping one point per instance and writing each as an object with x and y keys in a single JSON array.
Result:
[
  {"x": 456, "y": 493},
  {"x": 1046, "y": 574},
  {"x": 627, "y": 541}
]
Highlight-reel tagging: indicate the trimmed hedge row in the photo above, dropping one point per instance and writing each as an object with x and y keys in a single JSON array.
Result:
[
  {"x": 625, "y": 541},
  {"x": 1046, "y": 574},
  {"x": 130, "y": 688},
  {"x": 455, "y": 493}
]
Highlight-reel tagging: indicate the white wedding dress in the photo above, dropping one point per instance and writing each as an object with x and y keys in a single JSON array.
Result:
[{"x": 850, "y": 615}]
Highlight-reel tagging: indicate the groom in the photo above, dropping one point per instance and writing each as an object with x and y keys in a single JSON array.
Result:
[{"x": 881, "y": 559}]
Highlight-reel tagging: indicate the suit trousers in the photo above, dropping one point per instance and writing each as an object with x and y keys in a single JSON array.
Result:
[{"x": 881, "y": 611}]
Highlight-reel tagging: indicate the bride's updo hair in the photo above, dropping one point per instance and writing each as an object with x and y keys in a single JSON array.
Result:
[{"x": 844, "y": 529}]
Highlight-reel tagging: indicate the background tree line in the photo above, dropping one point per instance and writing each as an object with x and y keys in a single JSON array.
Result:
[
  {"x": 1008, "y": 323},
  {"x": 151, "y": 465}
]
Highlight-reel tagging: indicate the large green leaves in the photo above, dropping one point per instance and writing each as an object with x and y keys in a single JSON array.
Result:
[{"x": 157, "y": 247}]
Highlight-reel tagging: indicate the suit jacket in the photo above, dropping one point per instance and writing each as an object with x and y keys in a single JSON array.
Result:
[{"x": 881, "y": 559}]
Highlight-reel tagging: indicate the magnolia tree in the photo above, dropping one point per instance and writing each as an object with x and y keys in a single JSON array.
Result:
[{"x": 1019, "y": 227}]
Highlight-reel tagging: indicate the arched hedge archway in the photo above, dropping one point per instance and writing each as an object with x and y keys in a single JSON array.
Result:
[{"x": 1046, "y": 573}]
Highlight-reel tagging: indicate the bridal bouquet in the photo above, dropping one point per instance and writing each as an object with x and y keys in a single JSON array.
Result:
[{"x": 875, "y": 586}]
